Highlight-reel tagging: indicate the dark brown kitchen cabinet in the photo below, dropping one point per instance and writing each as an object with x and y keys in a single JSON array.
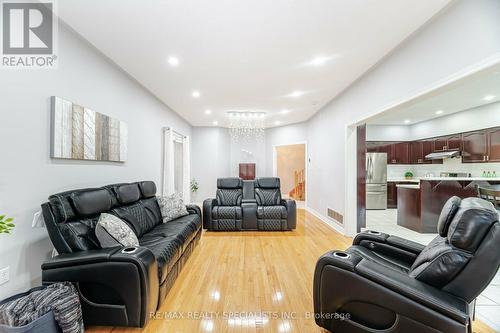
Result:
[
  {"x": 400, "y": 153},
  {"x": 455, "y": 142},
  {"x": 420, "y": 149},
  {"x": 475, "y": 146},
  {"x": 380, "y": 147},
  {"x": 450, "y": 142},
  {"x": 392, "y": 195},
  {"x": 494, "y": 145}
]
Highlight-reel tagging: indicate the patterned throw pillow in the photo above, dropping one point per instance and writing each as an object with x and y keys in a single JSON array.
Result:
[
  {"x": 172, "y": 207},
  {"x": 111, "y": 231}
]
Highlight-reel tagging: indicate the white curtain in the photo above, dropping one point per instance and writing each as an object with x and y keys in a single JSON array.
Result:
[{"x": 176, "y": 171}]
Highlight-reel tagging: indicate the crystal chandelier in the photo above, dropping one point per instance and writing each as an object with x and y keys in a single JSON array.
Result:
[{"x": 246, "y": 125}]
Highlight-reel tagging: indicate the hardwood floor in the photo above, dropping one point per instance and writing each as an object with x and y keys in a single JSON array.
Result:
[{"x": 249, "y": 282}]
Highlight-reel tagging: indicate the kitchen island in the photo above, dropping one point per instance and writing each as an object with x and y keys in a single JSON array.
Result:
[{"x": 419, "y": 205}]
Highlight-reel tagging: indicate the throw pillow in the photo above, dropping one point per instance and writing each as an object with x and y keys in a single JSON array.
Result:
[
  {"x": 111, "y": 231},
  {"x": 172, "y": 207}
]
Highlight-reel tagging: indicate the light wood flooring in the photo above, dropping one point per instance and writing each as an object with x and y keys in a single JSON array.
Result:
[{"x": 249, "y": 282}]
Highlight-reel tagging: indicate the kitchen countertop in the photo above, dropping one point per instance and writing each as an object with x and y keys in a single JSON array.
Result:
[
  {"x": 418, "y": 179},
  {"x": 402, "y": 179},
  {"x": 412, "y": 186},
  {"x": 497, "y": 179}
]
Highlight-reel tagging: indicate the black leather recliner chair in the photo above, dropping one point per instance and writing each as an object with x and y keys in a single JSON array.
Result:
[
  {"x": 272, "y": 211},
  {"x": 117, "y": 286},
  {"x": 249, "y": 205},
  {"x": 224, "y": 212},
  {"x": 388, "y": 284}
]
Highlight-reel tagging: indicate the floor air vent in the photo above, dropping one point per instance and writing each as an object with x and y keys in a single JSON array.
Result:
[{"x": 339, "y": 218}]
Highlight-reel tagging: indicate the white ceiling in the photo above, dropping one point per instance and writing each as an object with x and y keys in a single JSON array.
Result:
[
  {"x": 463, "y": 94},
  {"x": 248, "y": 54}
]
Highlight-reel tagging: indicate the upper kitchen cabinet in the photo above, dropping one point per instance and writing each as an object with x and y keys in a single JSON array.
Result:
[
  {"x": 451, "y": 142},
  {"x": 400, "y": 153},
  {"x": 380, "y": 147},
  {"x": 420, "y": 149},
  {"x": 475, "y": 146},
  {"x": 493, "y": 145}
]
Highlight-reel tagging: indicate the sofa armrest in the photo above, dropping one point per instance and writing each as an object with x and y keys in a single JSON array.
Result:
[
  {"x": 194, "y": 209},
  {"x": 208, "y": 205},
  {"x": 403, "y": 284},
  {"x": 393, "y": 246},
  {"x": 291, "y": 210},
  {"x": 118, "y": 286}
]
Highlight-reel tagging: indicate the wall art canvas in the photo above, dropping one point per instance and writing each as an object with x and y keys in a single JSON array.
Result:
[{"x": 79, "y": 133}]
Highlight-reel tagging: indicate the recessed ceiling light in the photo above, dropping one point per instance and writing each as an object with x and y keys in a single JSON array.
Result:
[
  {"x": 296, "y": 93},
  {"x": 489, "y": 97},
  {"x": 196, "y": 94},
  {"x": 277, "y": 122},
  {"x": 439, "y": 112},
  {"x": 318, "y": 61},
  {"x": 173, "y": 61},
  {"x": 284, "y": 111},
  {"x": 407, "y": 121},
  {"x": 215, "y": 123},
  {"x": 208, "y": 111}
]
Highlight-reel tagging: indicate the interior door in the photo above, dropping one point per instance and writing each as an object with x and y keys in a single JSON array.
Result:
[
  {"x": 475, "y": 146},
  {"x": 494, "y": 145}
]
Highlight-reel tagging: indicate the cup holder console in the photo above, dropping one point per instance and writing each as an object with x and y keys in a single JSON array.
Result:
[
  {"x": 129, "y": 250},
  {"x": 371, "y": 232},
  {"x": 341, "y": 255}
]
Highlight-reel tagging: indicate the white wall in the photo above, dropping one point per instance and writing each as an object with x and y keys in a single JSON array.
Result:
[
  {"x": 248, "y": 150},
  {"x": 210, "y": 159},
  {"x": 388, "y": 133},
  {"x": 27, "y": 174},
  {"x": 474, "y": 119},
  {"x": 466, "y": 34}
]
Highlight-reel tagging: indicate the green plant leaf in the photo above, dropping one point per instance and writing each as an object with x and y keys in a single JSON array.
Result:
[
  {"x": 2, "y": 217},
  {"x": 10, "y": 219}
]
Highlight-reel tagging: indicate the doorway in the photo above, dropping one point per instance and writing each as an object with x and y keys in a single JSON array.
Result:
[{"x": 290, "y": 167}]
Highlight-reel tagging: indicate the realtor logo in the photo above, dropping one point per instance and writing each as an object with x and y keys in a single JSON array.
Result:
[{"x": 28, "y": 31}]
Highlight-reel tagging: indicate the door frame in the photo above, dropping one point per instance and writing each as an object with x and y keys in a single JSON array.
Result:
[{"x": 306, "y": 157}]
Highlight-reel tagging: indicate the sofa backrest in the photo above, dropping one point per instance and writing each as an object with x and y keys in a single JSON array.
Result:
[
  {"x": 464, "y": 257},
  {"x": 229, "y": 191},
  {"x": 268, "y": 191},
  {"x": 71, "y": 216}
]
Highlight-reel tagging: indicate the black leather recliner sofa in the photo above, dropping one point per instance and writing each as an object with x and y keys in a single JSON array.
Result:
[
  {"x": 118, "y": 286},
  {"x": 388, "y": 284},
  {"x": 249, "y": 205}
]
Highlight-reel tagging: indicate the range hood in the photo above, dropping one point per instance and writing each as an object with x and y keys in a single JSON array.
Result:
[{"x": 442, "y": 155}]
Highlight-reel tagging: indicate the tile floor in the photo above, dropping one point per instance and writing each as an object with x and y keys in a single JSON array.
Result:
[{"x": 487, "y": 304}]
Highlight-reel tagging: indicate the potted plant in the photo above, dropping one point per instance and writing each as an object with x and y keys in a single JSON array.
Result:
[
  {"x": 194, "y": 188},
  {"x": 6, "y": 224},
  {"x": 408, "y": 175}
]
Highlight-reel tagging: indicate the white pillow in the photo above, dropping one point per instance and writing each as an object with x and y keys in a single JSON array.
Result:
[
  {"x": 172, "y": 207},
  {"x": 111, "y": 231}
]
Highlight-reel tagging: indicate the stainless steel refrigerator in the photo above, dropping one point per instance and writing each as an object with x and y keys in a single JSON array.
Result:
[{"x": 376, "y": 181}]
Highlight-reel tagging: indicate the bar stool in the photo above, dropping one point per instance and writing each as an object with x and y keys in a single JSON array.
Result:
[{"x": 490, "y": 194}]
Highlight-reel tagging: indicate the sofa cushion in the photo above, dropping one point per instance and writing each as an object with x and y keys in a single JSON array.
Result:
[
  {"x": 168, "y": 240},
  {"x": 80, "y": 234},
  {"x": 127, "y": 193},
  {"x": 148, "y": 189},
  {"x": 91, "y": 202},
  {"x": 229, "y": 197},
  {"x": 166, "y": 249},
  {"x": 111, "y": 231},
  {"x": 271, "y": 212},
  {"x": 268, "y": 197},
  {"x": 171, "y": 207},
  {"x": 142, "y": 216}
]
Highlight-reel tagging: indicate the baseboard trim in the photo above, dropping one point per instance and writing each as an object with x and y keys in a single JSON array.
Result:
[{"x": 326, "y": 220}]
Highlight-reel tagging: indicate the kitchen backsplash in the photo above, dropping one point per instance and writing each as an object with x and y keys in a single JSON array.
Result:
[{"x": 449, "y": 165}]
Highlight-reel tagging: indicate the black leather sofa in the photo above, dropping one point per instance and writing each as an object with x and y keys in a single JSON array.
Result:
[
  {"x": 118, "y": 286},
  {"x": 385, "y": 283},
  {"x": 249, "y": 205}
]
